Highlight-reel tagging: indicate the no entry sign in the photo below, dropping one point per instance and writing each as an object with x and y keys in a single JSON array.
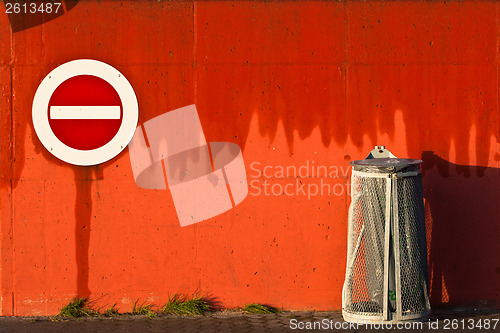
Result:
[{"x": 85, "y": 112}]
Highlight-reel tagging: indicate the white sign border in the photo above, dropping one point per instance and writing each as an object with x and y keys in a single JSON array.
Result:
[{"x": 116, "y": 80}]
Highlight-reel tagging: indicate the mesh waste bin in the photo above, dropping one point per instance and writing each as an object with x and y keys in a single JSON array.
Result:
[{"x": 386, "y": 275}]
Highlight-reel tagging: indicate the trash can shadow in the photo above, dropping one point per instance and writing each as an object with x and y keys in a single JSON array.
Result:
[{"x": 462, "y": 214}]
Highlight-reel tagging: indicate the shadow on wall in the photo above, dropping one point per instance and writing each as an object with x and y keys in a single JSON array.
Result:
[
  {"x": 462, "y": 210},
  {"x": 84, "y": 176}
]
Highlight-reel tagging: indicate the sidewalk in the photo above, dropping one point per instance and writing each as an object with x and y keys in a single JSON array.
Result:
[{"x": 235, "y": 322}]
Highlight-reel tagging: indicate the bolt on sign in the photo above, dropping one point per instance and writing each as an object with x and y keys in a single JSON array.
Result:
[{"x": 85, "y": 112}]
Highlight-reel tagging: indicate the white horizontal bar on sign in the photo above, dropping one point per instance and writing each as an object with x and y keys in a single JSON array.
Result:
[{"x": 85, "y": 112}]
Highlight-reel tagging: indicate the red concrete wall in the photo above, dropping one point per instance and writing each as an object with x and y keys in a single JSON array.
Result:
[{"x": 291, "y": 83}]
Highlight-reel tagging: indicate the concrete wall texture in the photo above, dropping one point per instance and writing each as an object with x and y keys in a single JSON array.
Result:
[{"x": 294, "y": 84}]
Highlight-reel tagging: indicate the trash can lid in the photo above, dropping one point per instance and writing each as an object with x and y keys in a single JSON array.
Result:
[{"x": 385, "y": 165}]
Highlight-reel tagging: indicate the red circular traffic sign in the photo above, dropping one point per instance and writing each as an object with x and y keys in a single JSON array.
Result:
[
  {"x": 85, "y": 112},
  {"x": 96, "y": 124}
]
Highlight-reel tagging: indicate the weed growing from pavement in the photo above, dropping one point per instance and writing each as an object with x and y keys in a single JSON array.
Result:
[
  {"x": 143, "y": 309},
  {"x": 184, "y": 306},
  {"x": 111, "y": 311},
  {"x": 255, "y": 308},
  {"x": 78, "y": 307},
  {"x": 178, "y": 304}
]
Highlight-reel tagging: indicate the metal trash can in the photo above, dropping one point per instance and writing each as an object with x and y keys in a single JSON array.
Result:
[{"x": 386, "y": 275}]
